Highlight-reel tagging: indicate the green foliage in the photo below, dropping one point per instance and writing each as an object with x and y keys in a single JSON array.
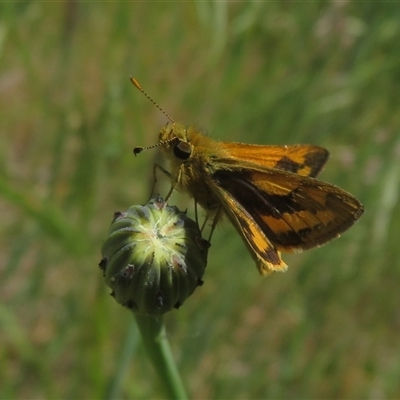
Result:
[{"x": 325, "y": 73}]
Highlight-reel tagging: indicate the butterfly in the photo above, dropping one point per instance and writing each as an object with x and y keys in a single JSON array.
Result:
[{"x": 269, "y": 193}]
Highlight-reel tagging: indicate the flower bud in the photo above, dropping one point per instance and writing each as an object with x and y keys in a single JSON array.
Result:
[{"x": 154, "y": 257}]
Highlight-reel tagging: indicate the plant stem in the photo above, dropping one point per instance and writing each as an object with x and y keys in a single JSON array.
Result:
[{"x": 157, "y": 345}]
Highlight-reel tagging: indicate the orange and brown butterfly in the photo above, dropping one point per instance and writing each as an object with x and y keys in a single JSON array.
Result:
[{"x": 269, "y": 193}]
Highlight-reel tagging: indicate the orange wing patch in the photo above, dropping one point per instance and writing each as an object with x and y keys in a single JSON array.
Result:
[
  {"x": 304, "y": 160},
  {"x": 295, "y": 213},
  {"x": 267, "y": 258}
]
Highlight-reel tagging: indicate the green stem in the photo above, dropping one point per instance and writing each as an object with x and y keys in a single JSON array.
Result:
[{"x": 156, "y": 343}]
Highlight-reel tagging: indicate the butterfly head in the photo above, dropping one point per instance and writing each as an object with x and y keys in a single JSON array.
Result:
[{"x": 174, "y": 141}]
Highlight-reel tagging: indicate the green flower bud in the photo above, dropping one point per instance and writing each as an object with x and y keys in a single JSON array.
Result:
[{"x": 154, "y": 257}]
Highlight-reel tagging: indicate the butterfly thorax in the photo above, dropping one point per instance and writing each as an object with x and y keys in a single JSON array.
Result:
[{"x": 192, "y": 158}]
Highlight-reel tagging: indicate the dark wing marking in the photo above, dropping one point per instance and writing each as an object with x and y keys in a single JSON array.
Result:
[
  {"x": 305, "y": 160},
  {"x": 293, "y": 212}
]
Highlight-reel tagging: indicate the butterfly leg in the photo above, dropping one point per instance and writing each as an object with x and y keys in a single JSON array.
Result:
[
  {"x": 174, "y": 183},
  {"x": 204, "y": 223},
  {"x": 196, "y": 214},
  {"x": 165, "y": 172},
  {"x": 217, "y": 217}
]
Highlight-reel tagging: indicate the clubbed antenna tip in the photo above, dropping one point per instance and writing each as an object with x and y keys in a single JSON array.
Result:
[{"x": 137, "y": 85}]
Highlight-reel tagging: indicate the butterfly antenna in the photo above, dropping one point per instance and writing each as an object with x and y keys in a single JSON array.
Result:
[
  {"x": 137, "y": 85},
  {"x": 138, "y": 150}
]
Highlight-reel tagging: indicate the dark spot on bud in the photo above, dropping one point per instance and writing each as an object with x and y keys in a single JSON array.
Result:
[
  {"x": 159, "y": 202},
  {"x": 128, "y": 272},
  {"x": 130, "y": 304},
  {"x": 200, "y": 282},
  {"x": 103, "y": 264},
  {"x": 180, "y": 223},
  {"x": 112, "y": 294},
  {"x": 202, "y": 243},
  {"x": 123, "y": 277},
  {"x": 181, "y": 245},
  {"x": 160, "y": 299},
  {"x": 118, "y": 215},
  {"x": 178, "y": 262},
  {"x": 177, "y": 305},
  {"x": 152, "y": 258}
]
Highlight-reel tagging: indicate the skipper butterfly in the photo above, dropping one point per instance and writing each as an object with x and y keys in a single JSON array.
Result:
[{"x": 269, "y": 193}]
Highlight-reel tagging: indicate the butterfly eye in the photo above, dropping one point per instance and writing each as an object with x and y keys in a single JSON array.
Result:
[{"x": 183, "y": 151}]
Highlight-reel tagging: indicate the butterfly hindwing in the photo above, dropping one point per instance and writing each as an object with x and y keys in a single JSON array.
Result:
[
  {"x": 267, "y": 258},
  {"x": 295, "y": 213}
]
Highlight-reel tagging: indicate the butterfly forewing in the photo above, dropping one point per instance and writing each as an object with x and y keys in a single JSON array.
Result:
[{"x": 304, "y": 160}]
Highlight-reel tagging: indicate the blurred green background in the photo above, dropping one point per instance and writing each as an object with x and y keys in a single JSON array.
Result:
[{"x": 326, "y": 73}]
